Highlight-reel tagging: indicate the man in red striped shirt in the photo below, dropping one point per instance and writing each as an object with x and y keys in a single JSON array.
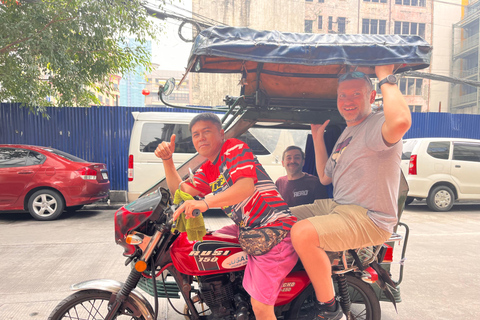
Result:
[{"x": 245, "y": 192}]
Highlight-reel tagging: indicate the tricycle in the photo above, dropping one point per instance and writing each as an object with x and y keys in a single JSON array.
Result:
[{"x": 287, "y": 81}]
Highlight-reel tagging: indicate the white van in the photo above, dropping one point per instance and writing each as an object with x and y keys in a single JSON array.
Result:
[
  {"x": 442, "y": 170},
  {"x": 151, "y": 128}
]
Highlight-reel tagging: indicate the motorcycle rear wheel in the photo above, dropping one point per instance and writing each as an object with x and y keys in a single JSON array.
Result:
[
  {"x": 90, "y": 305},
  {"x": 365, "y": 305}
]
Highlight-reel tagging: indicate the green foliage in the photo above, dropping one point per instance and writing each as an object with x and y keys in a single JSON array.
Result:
[{"x": 61, "y": 48}]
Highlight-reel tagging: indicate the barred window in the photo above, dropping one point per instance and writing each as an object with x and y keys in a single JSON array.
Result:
[
  {"x": 409, "y": 28},
  {"x": 308, "y": 26},
  {"x": 341, "y": 24},
  {"x": 374, "y": 26}
]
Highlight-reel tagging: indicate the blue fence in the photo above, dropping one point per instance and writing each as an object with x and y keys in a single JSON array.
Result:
[
  {"x": 96, "y": 134},
  {"x": 102, "y": 134}
]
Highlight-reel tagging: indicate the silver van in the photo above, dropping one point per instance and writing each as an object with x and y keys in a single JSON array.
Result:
[{"x": 442, "y": 170}]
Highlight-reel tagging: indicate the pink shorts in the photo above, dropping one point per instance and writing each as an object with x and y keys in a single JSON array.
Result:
[{"x": 264, "y": 274}]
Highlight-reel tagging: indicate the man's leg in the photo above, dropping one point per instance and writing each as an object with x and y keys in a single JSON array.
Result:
[
  {"x": 314, "y": 259},
  {"x": 262, "y": 311},
  {"x": 306, "y": 243},
  {"x": 345, "y": 227},
  {"x": 264, "y": 276}
]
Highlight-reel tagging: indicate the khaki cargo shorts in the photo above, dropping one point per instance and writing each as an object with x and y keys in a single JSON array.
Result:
[{"x": 341, "y": 227}]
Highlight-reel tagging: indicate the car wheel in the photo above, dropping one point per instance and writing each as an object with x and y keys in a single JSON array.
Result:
[
  {"x": 440, "y": 198},
  {"x": 46, "y": 205},
  {"x": 409, "y": 200}
]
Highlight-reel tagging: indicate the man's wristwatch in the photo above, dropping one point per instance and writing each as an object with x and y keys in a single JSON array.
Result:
[{"x": 389, "y": 79}]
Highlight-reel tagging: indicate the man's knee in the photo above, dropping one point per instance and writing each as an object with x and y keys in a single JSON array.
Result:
[{"x": 303, "y": 234}]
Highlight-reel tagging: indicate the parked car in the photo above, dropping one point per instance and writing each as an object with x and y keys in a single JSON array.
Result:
[
  {"x": 442, "y": 170},
  {"x": 45, "y": 181}
]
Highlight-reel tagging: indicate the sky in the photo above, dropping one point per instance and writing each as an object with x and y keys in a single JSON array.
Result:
[{"x": 170, "y": 52}]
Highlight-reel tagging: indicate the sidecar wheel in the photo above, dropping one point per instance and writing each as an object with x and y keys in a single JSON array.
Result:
[
  {"x": 91, "y": 305},
  {"x": 365, "y": 305}
]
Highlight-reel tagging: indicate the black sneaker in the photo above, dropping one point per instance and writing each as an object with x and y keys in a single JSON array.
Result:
[{"x": 322, "y": 314}]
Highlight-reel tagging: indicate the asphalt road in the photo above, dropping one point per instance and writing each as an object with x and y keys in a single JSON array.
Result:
[{"x": 40, "y": 260}]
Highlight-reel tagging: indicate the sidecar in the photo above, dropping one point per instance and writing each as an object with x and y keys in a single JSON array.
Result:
[{"x": 289, "y": 80}]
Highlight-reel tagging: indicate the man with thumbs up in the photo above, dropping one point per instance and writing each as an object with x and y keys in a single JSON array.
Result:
[{"x": 245, "y": 192}]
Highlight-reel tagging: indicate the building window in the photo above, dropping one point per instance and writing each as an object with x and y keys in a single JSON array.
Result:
[
  {"x": 409, "y": 28},
  {"x": 413, "y": 3},
  {"x": 382, "y": 26},
  {"x": 418, "y": 87},
  {"x": 308, "y": 26},
  {"x": 398, "y": 27},
  {"x": 382, "y": 1},
  {"x": 416, "y": 108},
  {"x": 341, "y": 24},
  {"x": 365, "y": 26},
  {"x": 421, "y": 30},
  {"x": 330, "y": 23},
  {"x": 308, "y": 0},
  {"x": 321, "y": 1},
  {"x": 411, "y": 86},
  {"x": 373, "y": 26},
  {"x": 320, "y": 22}
]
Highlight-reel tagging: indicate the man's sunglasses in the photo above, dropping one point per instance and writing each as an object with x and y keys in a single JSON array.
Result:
[{"x": 354, "y": 75}]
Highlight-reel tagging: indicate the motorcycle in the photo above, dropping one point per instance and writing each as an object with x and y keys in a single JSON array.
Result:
[{"x": 209, "y": 273}]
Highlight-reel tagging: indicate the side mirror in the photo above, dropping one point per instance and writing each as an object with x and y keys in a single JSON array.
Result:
[{"x": 168, "y": 87}]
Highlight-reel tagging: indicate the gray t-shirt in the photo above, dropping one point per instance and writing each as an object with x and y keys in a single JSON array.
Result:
[{"x": 366, "y": 171}]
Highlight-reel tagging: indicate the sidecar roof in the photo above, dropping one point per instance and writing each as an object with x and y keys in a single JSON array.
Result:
[{"x": 300, "y": 65}]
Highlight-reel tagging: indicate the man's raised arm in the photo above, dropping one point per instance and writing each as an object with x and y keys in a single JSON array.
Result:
[
  {"x": 397, "y": 114},
  {"x": 321, "y": 156}
]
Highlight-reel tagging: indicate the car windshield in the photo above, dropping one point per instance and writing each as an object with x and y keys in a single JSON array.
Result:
[
  {"x": 65, "y": 155},
  {"x": 407, "y": 148}
]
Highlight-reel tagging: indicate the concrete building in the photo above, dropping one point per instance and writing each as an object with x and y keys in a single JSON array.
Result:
[
  {"x": 446, "y": 14},
  {"x": 429, "y": 19},
  {"x": 112, "y": 97},
  {"x": 282, "y": 15},
  {"x": 404, "y": 17},
  {"x": 466, "y": 36}
]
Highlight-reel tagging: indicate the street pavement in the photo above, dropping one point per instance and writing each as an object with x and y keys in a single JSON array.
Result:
[{"x": 40, "y": 260}]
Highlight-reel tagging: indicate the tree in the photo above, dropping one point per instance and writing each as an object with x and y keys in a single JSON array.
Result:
[{"x": 61, "y": 48}]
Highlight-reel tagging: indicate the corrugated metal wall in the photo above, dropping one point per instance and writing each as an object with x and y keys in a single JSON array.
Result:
[
  {"x": 446, "y": 125},
  {"x": 97, "y": 134},
  {"x": 102, "y": 134}
]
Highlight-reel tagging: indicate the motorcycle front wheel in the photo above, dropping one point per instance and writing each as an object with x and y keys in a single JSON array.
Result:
[
  {"x": 91, "y": 305},
  {"x": 364, "y": 306}
]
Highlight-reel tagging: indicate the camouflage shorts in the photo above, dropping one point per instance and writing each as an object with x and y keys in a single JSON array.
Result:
[{"x": 259, "y": 241}]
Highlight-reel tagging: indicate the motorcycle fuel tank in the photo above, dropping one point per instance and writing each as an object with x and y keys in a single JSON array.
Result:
[{"x": 217, "y": 253}]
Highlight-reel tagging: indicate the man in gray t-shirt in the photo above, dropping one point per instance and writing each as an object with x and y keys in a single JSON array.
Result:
[{"x": 364, "y": 168}]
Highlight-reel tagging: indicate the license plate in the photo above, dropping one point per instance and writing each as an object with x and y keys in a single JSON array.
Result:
[{"x": 105, "y": 175}]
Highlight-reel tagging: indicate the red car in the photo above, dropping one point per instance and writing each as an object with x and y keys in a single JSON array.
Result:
[{"x": 45, "y": 181}]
